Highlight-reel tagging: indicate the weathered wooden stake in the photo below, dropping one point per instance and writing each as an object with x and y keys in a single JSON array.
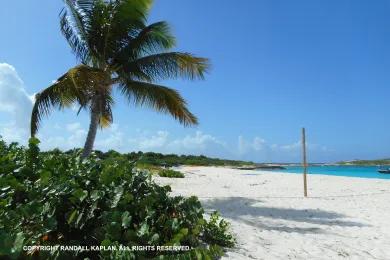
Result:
[{"x": 304, "y": 162}]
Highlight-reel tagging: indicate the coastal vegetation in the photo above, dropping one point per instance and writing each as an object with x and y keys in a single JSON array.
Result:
[
  {"x": 117, "y": 49},
  {"x": 56, "y": 198},
  {"x": 217, "y": 231},
  {"x": 169, "y": 160},
  {"x": 170, "y": 173},
  {"x": 366, "y": 162}
]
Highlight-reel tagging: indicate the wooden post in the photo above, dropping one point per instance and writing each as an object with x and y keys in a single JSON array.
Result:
[{"x": 304, "y": 162}]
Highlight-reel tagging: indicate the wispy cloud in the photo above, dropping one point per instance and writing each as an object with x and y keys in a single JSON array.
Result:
[
  {"x": 198, "y": 141},
  {"x": 163, "y": 141},
  {"x": 15, "y": 101},
  {"x": 258, "y": 149},
  {"x": 111, "y": 138},
  {"x": 74, "y": 136},
  {"x": 143, "y": 142}
]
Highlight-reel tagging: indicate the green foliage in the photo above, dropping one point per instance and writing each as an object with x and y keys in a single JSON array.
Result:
[
  {"x": 65, "y": 201},
  {"x": 170, "y": 173},
  {"x": 217, "y": 231},
  {"x": 148, "y": 167},
  {"x": 366, "y": 162},
  {"x": 150, "y": 159},
  {"x": 152, "y": 169}
]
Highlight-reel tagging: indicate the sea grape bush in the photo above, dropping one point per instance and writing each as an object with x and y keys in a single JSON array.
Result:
[
  {"x": 217, "y": 231},
  {"x": 53, "y": 198}
]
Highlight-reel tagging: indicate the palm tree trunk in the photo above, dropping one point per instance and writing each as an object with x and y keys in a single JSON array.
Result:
[{"x": 91, "y": 132}]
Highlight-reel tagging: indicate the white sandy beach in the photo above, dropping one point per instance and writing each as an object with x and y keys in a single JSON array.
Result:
[{"x": 343, "y": 218}]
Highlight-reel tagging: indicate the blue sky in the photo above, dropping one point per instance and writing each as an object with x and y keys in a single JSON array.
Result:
[{"x": 276, "y": 66}]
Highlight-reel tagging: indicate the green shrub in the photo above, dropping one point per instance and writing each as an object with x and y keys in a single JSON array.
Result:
[
  {"x": 55, "y": 199},
  {"x": 217, "y": 231},
  {"x": 148, "y": 167},
  {"x": 170, "y": 174}
]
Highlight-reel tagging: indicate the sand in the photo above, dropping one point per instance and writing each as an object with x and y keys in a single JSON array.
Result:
[{"x": 343, "y": 217}]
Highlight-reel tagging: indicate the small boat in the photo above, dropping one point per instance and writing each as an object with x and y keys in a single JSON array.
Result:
[{"x": 384, "y": 170}]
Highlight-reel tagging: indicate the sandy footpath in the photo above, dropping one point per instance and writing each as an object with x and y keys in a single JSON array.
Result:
[{"x": 343, "y": 218}]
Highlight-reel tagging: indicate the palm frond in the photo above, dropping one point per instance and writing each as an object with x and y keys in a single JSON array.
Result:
[
  {"x": 77, "y": 44},
  {"x": 99, "y": 29},
  {"x": 131, "y": 10},
  {"x": 75, "y": 26},
  {"x": 116, "y": 22},
  {"x": 80, "y": 14},
  {"x": 105, "y": 104},
  {"x": 84, "y": 5},
  {"x": 78, "y": 85},
  {"x": 86, "y": 77},
  {"x": 153, "y": 38},
  {"x": 58, "y": 95},
  {"x": 169, "y": 65},
  {"x": 159, "y": 98},
  {"x": 105, "y": 120}
]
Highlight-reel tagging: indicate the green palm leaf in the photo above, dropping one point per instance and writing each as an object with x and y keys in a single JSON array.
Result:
[
  {"x": 79, "y": 85},
  {"x": 159, "y": 98},
  {"x": 153, "y": 38},
  {"x": 57, "y": 96},
  {"x": 78, "y": 46},
  {"x": 169, "y": 65}
]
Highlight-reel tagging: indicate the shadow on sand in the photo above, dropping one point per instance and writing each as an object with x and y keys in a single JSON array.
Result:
[{"x": 239, "y": 208}]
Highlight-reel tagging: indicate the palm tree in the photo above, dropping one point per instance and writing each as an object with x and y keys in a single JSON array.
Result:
[{"x": 117, "y": 50}]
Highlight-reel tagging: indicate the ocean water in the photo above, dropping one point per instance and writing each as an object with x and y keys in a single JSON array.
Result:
[{"x": 348, "y": 171}]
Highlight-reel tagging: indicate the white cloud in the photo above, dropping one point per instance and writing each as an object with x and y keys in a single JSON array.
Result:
[
  {"x": 73, "y": 127},
  {"x": 258, "y": 143},
  {"x": 195, "y": 143},
  {"x": 15, "y": 101},
  {"x": 148, "y": 143},
  {"x": 199, "y": 141},
  {"x": 245, "y": 146},
  {"x": 11, "y": 133},
  {"x": 77, "y": 138},
  {"x": 111, "y": 139},
  {"x": 287, "y": 147},
  {"x": 256, "y": 149},
  {"x": 260, "y": 150},
  {"x": 74, "y": 137}
]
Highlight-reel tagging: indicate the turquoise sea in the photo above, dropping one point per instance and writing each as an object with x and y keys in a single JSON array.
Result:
[{"x": 349, "y": 171}]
